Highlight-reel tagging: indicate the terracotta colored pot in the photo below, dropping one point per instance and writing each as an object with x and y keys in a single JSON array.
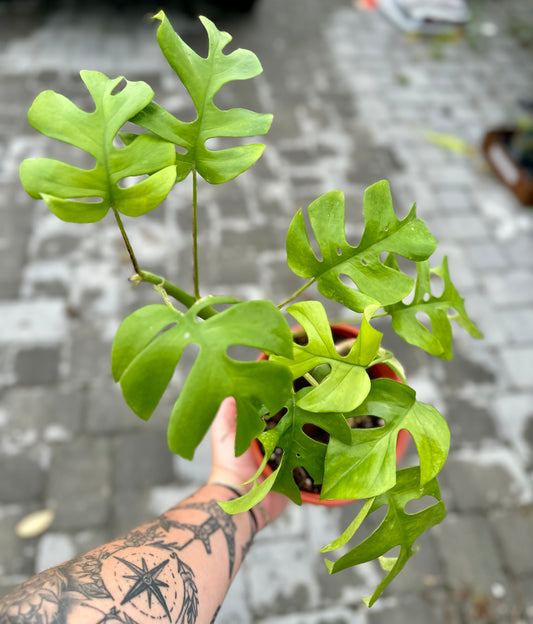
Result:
[
  {"x": 515, "y": 176},
  {"x": 376, "y": 371}
]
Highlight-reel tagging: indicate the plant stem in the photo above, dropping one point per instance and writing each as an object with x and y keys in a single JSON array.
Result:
[
  {"x": 295, "y": 294},
  {"x": 195, "y": 234},
  {"x": 311, "y": 379},
  {"x": 174, "y": 291},
  {"x": 126, "y": 240}
]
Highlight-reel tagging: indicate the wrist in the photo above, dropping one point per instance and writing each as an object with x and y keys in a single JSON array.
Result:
[{"x": 259, "y": 516}]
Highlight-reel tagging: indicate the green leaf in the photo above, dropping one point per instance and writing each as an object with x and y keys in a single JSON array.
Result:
[
  {"x": 404, "y": 316},
  {"x": 203, "y": 78},
  {"x": 351, "y": 529},
  {"x": 299, "y": 449},
  {"x": 375, "y": 282},
  {"x": 59, "y": 183},
  {"x": 150, "y": 342},
  {"x": 387, "y": 357},
  {"x": 397, "y": 529},
  {"x": 367, "y": 466},
  {"x": 348, "y": 382},
  {"x": 254, "y": 496}
]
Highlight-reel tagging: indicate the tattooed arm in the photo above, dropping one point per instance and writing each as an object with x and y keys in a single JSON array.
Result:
[{"x": 176, "y": 568}]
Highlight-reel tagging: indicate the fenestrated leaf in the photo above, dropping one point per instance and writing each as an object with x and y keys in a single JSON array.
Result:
[
  {"x": 367, "y": 466},
  {"x": 348, "y": 383},
  {"x": 254, "y": 496},
  {"x": 203, "y": 78},
  {"x": 299, "y": 449},
  {"x": 59, "y": 183},
  {"x": 438, "y": 340},
  {"x": 397, "y": 529},
  {"x": 375, "y": 282},
  {"x": 149, "y": 344},
  {"x": 350, "y": 530}
]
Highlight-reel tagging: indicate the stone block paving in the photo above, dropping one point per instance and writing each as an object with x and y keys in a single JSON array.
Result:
[{"x": 354, "y": 100}]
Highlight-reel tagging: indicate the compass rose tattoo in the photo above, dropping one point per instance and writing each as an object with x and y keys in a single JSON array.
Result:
[
  {"x": 137, "y": 578},
  {"x": 146, "y": 581}
]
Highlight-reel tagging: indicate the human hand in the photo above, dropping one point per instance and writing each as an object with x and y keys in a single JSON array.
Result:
[{"x": 233, "y": 471}]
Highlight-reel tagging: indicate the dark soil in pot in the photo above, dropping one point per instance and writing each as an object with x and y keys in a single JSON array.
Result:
[{"x": 344, "y": 337}]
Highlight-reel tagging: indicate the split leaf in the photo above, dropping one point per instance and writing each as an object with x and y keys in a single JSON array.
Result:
[
  {"x": 398, "y": 528},
  {"x": 404, "y": 316},
  {"x": 254, "y": 496},
  {"x": 60, "y": 184},
  {"x": 203, "y": 78},
  {"x": 367, "y": 466},
  {"x": 375, "y": 282},
  {"x": 348, "y": 383},
  {"x": 150, "y": 342},
  {"x": 299, "y": 449}
]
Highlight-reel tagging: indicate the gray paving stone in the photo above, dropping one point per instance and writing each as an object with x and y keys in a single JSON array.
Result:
[
  {"x": 53, "y": 549},
  {"x": 16, "y": 555},
  {"x": 518, "y": 362},
  {"x": 510, "y": 290},
  {"x": 432, "y": 606},
  {"x": 22, "y": 479},
  {"x": 470, "y": 423},
  {"x": 141, "y": 460},
  {"x": 32, "y": 322},
  {"x": 487, "y": 256},
  {"x": 79, "y": 484},
  {"x": 353, "y": 99},
  {"x": 37, "y": 366},
  {"x": 513, "y": 529},
  {"x": 46, "y": 413},
  {"x": 525, "y": 603},
  {"x": 465, "y": 228},
  {"x": 89, "y": 355},
  {"x": 481, "y": 485},
  {"x": 469, "y": 555},
  {"x": 335, "y": 615},
  {"x": 129, "y": 509},
  {"x": 107, "y": 411},
  {"x": 296, "y": 588}
]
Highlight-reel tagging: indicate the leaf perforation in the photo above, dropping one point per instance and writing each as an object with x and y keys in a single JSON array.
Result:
[{"x": 375, "y": 281}]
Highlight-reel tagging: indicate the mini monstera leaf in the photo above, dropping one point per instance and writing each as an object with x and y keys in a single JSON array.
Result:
[
  {"x": 375, "y": 283},
  {"x": 292, "y": 435},
  {"x": 150, "y": 342},
  {"x": 367, "y": 466},
  {"x": 299, "y": 449},
  {"x": 398, "y": 528},
  {"x": 347, "y": 383},
  {"x": 203, "y": 78},
  {"x": 60, "y": 184},
  {"x": 407, "y": 325}
]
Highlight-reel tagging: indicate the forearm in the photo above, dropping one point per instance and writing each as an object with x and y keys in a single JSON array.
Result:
[{"x": 174, "y": 569}]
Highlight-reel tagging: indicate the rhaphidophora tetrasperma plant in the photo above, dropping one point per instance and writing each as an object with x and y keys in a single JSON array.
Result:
[{"x": 354, "y": 463}]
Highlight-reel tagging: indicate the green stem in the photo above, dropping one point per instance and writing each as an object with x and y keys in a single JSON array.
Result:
[
  {"x": 174, "y": 291},
  {"x": 295, "y": 294},
  {"x": 311, "y": 379},
  {"x": 126, "y": 240},
  {"x": 195, "y": 234}
]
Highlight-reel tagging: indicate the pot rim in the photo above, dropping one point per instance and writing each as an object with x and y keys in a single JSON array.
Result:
[{"x": 379, "y": 371}]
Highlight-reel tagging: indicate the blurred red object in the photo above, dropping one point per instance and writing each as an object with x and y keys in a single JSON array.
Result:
[{"x": 366, "y": 5}]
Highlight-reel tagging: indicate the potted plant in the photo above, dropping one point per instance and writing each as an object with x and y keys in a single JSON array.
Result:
[
  {"x": 509, "y": 152},
  {"x": 338, "y": 389}
]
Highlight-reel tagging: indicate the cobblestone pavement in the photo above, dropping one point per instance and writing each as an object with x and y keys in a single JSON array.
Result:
[{"x": 353, "y": 100}]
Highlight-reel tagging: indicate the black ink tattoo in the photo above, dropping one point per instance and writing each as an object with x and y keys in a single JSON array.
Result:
[
  {"x": 129, "y": 598},
  {"x": 215, "y": 614},
  {"x": 146, "y": 581},
  {"x": 218, "y": 520},
  {"x": 153, "y": 584}
]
